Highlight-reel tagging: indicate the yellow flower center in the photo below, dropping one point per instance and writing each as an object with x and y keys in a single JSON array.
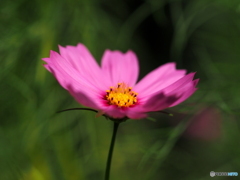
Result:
[{"x": 121, "y": 95}]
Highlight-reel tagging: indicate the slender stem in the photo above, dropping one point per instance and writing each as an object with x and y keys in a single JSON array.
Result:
[
  {"x": 88, "y": 109},
  {"x": 109, "y": 160}
]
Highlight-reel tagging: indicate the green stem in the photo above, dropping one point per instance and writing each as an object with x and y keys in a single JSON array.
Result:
[{"x": 109, "y": 160}]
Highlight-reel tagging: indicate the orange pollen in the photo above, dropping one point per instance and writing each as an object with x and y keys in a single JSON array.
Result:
[{"x": 121, "y": 95}]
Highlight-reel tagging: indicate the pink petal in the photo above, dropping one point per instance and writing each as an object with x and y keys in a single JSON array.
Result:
[
  {"x": 181, "y": 85},
  {"x": 84, "y": 92},
  {"x": 136, "y": 112},
  {"x": 132, "y": 112},
  {"x": 159, "y": 101},
  {"x": 171, "y": 95},
  {"x": 85, "y": 98},
  {"x": 83, "y": 62},
  {"x": 114, "y": 112},
  {"x": 47, "y": 67},
  {"x": 186, "y": 94},
  {"x": 120, "y": 67},
  {"x": 56, "y": 62},
  {"x": 158, "y": 79}
]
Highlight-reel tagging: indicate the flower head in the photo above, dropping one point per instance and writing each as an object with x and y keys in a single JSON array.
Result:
[{"x": 112, "y": 89}]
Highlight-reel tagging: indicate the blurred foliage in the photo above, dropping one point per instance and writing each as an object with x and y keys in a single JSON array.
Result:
[{"x": 38, "y": 144}]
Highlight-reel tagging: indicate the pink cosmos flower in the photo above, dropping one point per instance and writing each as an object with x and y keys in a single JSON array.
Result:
[{"x": 112, "y": 88}]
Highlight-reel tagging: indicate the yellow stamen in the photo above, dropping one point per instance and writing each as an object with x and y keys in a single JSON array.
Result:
[{"x": 121, "y": 95}]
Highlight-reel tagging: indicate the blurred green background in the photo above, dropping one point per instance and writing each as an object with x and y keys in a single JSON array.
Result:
[{"x": 202, "y": 136}]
